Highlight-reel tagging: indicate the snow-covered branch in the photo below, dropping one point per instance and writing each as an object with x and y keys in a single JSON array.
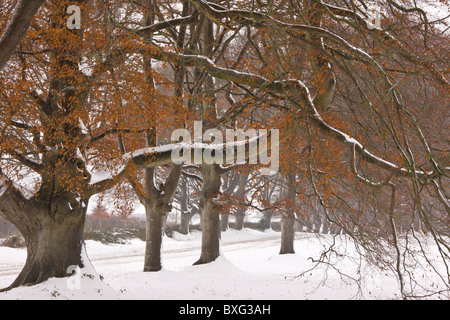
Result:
[
  {"x": 152, "y": 157},
  {"x": 298, "y": 91},
  {"x": 224, "y": 16}
]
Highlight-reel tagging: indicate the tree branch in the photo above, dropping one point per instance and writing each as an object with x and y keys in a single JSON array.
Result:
[
  {"x": 296, "y": 91},
  {"x": 24, "y": 13}
]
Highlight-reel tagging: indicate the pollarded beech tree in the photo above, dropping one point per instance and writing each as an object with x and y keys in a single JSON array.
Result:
[{"x": 61, "y": 104}]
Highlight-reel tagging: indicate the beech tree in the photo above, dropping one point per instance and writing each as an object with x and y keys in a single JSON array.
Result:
[
  {"x": 57, "y": 117},
  {"x": 41, "y": 135}
]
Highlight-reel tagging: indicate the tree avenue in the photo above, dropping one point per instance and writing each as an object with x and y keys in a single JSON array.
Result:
[{"x": 360, "y": 103}]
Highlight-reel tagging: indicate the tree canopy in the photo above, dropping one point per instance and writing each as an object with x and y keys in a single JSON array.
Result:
[{"x": 360, "y": 97}]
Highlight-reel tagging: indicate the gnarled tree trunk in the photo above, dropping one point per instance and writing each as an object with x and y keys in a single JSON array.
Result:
[{"x": 53, "y": 234}]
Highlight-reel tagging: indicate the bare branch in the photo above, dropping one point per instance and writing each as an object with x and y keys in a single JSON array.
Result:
[
  {"x": 24, "y": 13},
  {"x": 297, "y": 91}
]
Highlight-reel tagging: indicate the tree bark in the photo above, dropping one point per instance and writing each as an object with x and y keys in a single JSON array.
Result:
[
  {"x": 185, "y": 220},
  {"x": 54, "y": 239},
  {"x": 186, "y": 214},
  {"x": 211, "y": 231},
  {"x": 24, "y": 13},
  {"x": 156, "y": 217},
  {"x": 267, "y": 219},
  {"x": 288, "y": 217},
  {"x": 324, "y": 76},
  {"x": 287, "y": 233},
  {"x": 157, "y": 203},
  {"x": 224, "y": 221},
  {"x": 211, "y": 177},
  {"x": 325, "y": 224},
  {"x": 240, "y": 215}
]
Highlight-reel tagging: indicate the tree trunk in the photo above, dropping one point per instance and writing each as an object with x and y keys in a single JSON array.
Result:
[
  {"x": 325, "y": 224},
  {"x": 186, "y": 214},
  {"x": 224, "y": 221},
  {"x": 267, "y": 223},
  {"x": 287, "y": 234},
  {"x": 54, "y": 243},
  {"x": 210, "y": 174},
  {"x": 210, "y": 234},
  {"x": 157, "y": 203},
  {"x": 240, "y": 215},
  {"x": 154, "y": 235},
  {"x": 324, "y": 76},
  {"x": 335, "y": 229},
  {"x": 210, "y": 215},
  {"x": 185, "y": 220}
]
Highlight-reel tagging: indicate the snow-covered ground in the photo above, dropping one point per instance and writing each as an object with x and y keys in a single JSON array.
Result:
[{"x": 250, "y": 268}]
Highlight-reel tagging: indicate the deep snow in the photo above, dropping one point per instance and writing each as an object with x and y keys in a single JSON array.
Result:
[{"x": 250, "y": 268}]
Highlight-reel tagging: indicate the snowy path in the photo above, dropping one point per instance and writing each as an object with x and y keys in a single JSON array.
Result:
[
  {"x": 176, "y": 253},
  {"x": 249, "y": 268},
  {"x": 188, "y": 250}
]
